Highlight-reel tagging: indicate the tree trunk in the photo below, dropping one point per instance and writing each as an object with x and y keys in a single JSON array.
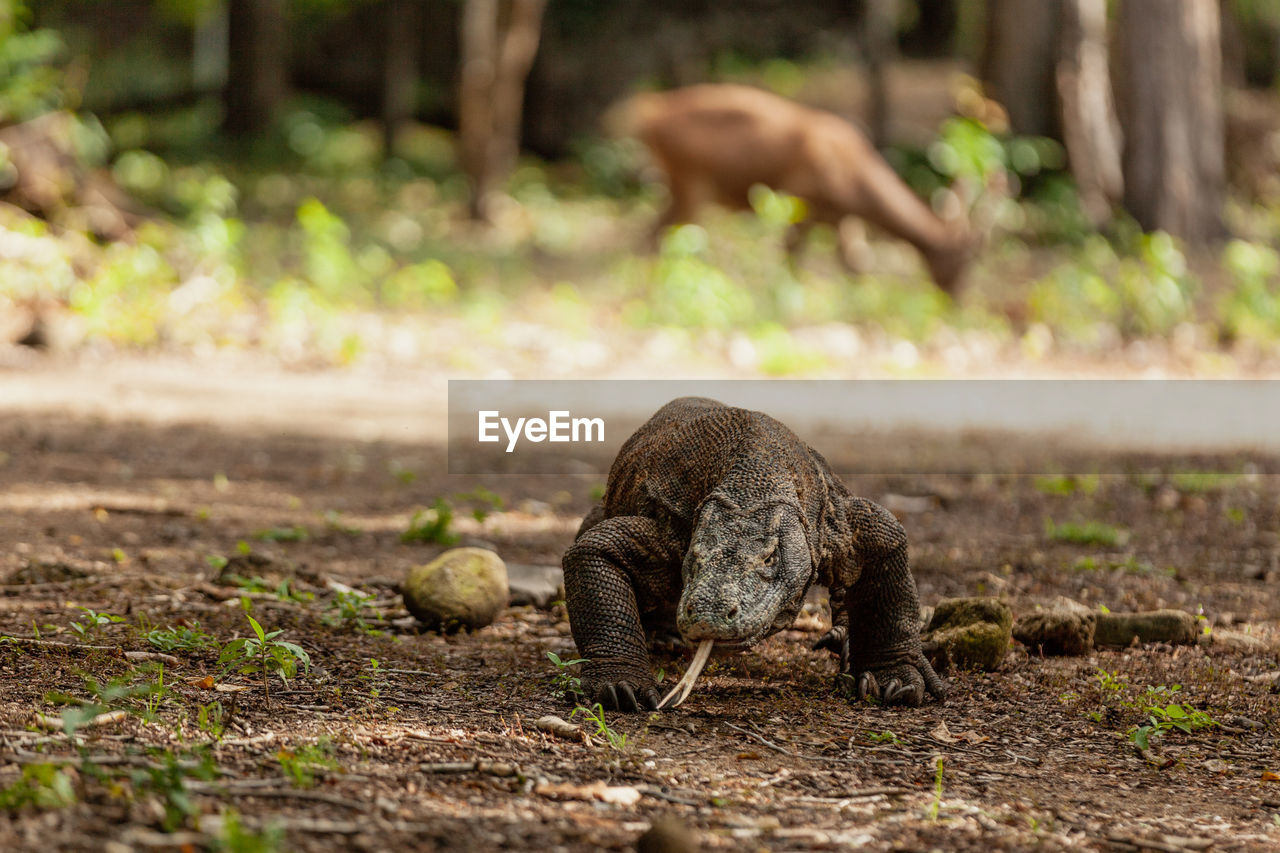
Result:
[
  {"x": 403, "y": 22},
  {"x": 1174, "y": 167},
  {"x": 1018, "y": 62},
  {"x": 1090, "y": 128},
  {"x": 499, "y": 42},
  {"x": 879, "y": 36},
  {"x": 519, "y": 47},
  {"x": 258, "y": 64}
]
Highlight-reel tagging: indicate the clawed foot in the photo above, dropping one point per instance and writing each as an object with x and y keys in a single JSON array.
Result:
[
  {"x": 904, "y": 683},
  {"x": 620, "y": 688}
]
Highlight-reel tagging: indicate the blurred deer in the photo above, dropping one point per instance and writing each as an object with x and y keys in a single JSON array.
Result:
[{"x": 714, "y": 142}]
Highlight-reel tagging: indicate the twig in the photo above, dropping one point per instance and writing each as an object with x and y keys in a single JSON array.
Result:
[
  {"x": 659, "y": 794},
  {"x": 252, "y": 790},
  {"x": 56, "y": 724},
  {"x": 771, "y": 744},
  {"x": 882, "y": 791},
  {"x": 408, "y": 671},
  {"x": 480, "y": 765},
  {"x": 265, "y": 737},
  {"x": 115, "y": 650},
  {"x": 1168, "y": 845}
]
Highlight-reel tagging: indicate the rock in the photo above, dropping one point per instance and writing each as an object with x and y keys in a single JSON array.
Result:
[
  {"x": 1237, "y": 641},
  {"x": 535, "y": 585},
  {"x": 462, "y": 588},
  {"x": 1153, "y": 626},
  {"x": 668, "y": 835},
  {"x": 968, "y": 633},
  {"x": 1057, "y": 631},
  {"x": 42, "y": 571}
]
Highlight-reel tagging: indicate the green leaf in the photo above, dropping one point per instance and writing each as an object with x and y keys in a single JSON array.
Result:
[
  {"x": 74, "y": 718},
  {"x": 257, "y": 629}
]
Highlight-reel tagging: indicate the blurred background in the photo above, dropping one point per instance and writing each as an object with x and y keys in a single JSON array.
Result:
[{"x": 426, "y": 184}]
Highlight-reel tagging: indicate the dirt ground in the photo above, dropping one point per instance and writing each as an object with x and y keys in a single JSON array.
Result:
[{"x": 435, "y": 747}]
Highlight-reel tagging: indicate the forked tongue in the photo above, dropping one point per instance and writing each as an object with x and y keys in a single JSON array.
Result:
[{"x": 685, "y": 685}]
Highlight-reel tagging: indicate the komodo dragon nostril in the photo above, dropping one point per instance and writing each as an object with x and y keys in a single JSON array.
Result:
[{"x": 733, "y": 611}]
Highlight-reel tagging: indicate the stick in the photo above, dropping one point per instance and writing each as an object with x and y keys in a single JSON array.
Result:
[
  {"x": 81, "y": 647},
  {"x": 685, "y": 685}
]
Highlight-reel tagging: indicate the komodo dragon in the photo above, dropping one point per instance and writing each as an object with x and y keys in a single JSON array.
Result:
[{"x": 717, "y": 519}]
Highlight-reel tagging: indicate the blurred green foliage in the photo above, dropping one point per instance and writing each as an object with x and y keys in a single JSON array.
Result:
[
  {"x": 310, "y": 244},
  {"x": 31, "y": 81}
]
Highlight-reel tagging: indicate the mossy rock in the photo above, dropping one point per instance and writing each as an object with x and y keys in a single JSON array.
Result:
[
  {"x": 968, "y": 633},
  {"x": 1057, "y": 631},
  {"x": 954, "y": 612},
  {"x": 462, "y": 588},
  {"x": 1153, "y": 626}
]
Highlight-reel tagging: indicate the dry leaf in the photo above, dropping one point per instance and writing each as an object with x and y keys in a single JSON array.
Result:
[
  {"x": 1270, "y": 776},
  {"x": 942, "y": 734},
  {"x": 971, "y": 737},
  {"x": 205, "y": 683}
]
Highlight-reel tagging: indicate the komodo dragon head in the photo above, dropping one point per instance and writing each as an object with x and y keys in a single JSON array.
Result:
[{"x": 746, "y": 571}]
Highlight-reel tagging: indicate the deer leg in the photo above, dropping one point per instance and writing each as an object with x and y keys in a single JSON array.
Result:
[{"x": 852, "y": 245}]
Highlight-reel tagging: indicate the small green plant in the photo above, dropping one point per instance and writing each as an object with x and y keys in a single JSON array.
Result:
[
  {"x": 1067, "y": 485},
  {"x": 235, "y": 838},
  {"x": 295, "y": 533},
  {"x": 595, "y": 714},
  {"x": 283, "y": 590},
  {"x": 302, "y": 765},
  {"x": 374, "y": 678},
  {"x": 1166, "y": 718},
  {"x": 937, "y": 789},
  {"x": 432, "y": 525},
  {"x": 565, "y": 684},
  {"x": 349, "y": 609},
  {"x": 1086, "y": 533},
  {"x": 183, "y": 638},
  {"x": 1202, "y": 482},
  {"x": 168, "y": 782},
  {"x": 264, "y": 653},
  {"x": 92, "y": 622},
  {"x": 482, "y": 502},
  {"x": 885, "y": 736},
  {"x": 141, "y": 693},
  {"x": 42, "y": 786},
  {"x": 1111, "y": 683},
  {"x": 212, "y": 719}
]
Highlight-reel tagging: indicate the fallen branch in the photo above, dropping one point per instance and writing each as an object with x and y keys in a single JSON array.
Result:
[
  {"x": 480, "y": 765},
  {"x": 81, "y": 647},
  {"x": 56, "y": 724},
  {"x": 659, "y": 794}
]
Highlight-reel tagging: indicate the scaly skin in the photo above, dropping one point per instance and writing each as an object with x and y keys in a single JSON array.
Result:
[{"x": 715, "y": 521}]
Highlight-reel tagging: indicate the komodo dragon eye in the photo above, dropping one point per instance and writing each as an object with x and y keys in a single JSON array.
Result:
[{"x": 769, "y": 560}]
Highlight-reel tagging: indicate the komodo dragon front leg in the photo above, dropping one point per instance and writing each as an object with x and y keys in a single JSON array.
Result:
[
  {"x": 876, "y": 611},
  {"x": 619, "y": 572}
]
